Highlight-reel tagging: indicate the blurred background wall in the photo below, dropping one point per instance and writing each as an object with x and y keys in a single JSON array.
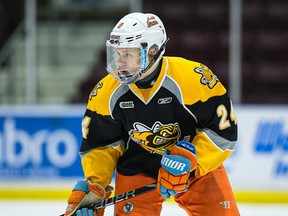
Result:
[
  {"x": 67, "y": 50},
  {"x": 52, "y": 53}
]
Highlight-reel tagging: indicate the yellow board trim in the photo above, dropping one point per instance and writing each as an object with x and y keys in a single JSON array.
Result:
[
  {"x": 57, "y": 194},
  {"x": 261, "y": 197},
  {"x": 34, "y": 194}
]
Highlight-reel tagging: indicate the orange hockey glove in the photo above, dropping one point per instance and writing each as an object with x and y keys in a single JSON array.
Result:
[
  {"x": 83, "y": 195},
  {"x": 176, "y": 165}
]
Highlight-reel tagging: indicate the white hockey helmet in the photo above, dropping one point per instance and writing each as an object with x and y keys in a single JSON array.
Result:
[{"x": 143, "y": 33}]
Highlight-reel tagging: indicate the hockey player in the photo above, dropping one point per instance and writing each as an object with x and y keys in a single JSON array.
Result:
[{"x": 155, "y": 119}]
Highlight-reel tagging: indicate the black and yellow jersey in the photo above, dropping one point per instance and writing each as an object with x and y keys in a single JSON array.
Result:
[{"x": 129, "y": 128}]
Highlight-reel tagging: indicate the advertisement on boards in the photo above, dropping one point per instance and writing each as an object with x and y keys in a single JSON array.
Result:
[
  {"x": 260, "y": 161},
  {"x": 40, "y": 143}
]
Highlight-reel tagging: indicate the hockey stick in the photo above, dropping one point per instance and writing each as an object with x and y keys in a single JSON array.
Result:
[{"x": 123, "y": 196}]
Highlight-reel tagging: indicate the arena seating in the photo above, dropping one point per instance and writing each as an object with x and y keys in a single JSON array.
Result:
[{"x": 198, "y": 30}]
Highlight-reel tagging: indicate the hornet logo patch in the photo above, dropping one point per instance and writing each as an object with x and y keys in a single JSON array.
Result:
[
  {"x": 94, "y": 92},
  {"x": 158, "y": 139},
  {"x": 208, "y": 77}
]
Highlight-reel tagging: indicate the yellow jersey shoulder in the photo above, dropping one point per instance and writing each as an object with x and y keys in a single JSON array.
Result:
[
  {"x": 100, "y": 95},
  {"x": 197, "y": 81}
]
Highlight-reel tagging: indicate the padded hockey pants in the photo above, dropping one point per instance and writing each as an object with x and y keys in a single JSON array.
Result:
[{"x": 209, "y": 195}]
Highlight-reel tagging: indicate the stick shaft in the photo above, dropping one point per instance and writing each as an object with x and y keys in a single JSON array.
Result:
[{"x": 124, "y": 196}]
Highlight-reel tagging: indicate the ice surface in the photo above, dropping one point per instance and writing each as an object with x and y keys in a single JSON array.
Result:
[{"x": 55, "y": 208}]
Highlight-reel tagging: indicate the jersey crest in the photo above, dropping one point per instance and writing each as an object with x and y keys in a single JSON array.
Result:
[
  {"x": 158, "y": 139},
  {"x": 208, "y": 77}
]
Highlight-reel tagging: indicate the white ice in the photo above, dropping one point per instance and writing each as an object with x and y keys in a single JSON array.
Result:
[{"x": 55, "y": 208}]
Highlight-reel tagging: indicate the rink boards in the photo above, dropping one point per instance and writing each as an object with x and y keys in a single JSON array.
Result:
[{"x": 39, "y": 152}]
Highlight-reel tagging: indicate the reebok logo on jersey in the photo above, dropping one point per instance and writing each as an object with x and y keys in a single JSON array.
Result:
[{"x": 164, "y": 100}]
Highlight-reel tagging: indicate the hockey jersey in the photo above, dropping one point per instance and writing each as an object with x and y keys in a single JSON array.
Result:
[{"x": 129, "y": 128}]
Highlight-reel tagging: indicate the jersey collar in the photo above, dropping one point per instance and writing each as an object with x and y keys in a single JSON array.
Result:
[{"x": 146, "y": 94}]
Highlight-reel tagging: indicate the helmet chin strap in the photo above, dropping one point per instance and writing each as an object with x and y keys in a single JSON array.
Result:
[{"x": 132, "y": 80}]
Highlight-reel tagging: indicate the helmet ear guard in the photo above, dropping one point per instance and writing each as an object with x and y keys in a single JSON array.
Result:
[
  {"x": 153, "y": 51},
  {"x": 155, "y": 58}
]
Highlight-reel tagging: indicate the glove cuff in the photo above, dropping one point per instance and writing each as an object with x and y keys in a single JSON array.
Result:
[
  {"x": 187, "y": 145},
  {"x": 186, "y": 150},
  {"x": 81, "y": 186}
]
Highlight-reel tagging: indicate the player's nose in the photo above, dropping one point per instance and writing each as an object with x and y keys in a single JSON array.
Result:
[{"x": 121, "y": 63}]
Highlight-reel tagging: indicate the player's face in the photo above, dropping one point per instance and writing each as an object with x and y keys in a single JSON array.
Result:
[
  {"x": 126, "y": 63},
  {"x": 129, "y": 58}
]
